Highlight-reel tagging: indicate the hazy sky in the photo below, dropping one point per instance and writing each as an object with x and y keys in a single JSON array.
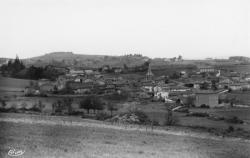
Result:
[{"x": 155, "y": 28}]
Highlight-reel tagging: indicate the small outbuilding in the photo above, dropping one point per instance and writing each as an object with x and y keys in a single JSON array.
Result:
[{"x": 208, "y": 97}]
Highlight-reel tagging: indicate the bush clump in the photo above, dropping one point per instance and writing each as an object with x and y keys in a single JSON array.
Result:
[
  {"x": 102, "y": 116},
  {"x": 198, "y": 114},
  {"x": 204, "y": 106},
  {"x": 230, "y": 129},
  {"x": 132, "y": 117},
  {"x": 76, "y": 113},
  {"x": 234, "y": 120}
]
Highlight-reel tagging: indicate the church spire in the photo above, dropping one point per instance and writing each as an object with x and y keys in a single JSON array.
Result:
[{"x": 149, "y": 75}]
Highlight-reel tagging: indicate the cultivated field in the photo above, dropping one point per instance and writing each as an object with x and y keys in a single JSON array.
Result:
[
  {"x": 12, "y": 87},
  {"x": 44, "y": 140},
  {"x": 7, "y": 83}
]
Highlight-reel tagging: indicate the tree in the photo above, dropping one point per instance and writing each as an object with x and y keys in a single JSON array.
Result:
[
  {"x": 233, "y": 101},
  {"x": 91, "y": 102},
  {"x": 170, "y": 118},
  {"x": 13, "y": 67},
  {"x": 190, "y": 101},
  {"x": 59, "y": 106},
  {"x": 111, "y": 108},
  {"x": 97, "y": 104},
  {"x": 179, "y": 58},
  {"x": 125, "y": 67},
  {"x": 175, "y": 75},
  {"x": 214, "y": 86},
  {"x": 86, "y": 104},
  {"x": 54, "y": 105},
  {"x": 204, "y": 86},
  {"x": 41, "y": 106},
  {"x": 67, "y": 104},
  {"x": 169, "y": 115}
]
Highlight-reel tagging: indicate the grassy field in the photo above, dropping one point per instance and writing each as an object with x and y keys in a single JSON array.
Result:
[
  {"x": 7, "y": 83},
  {"x": 236, "y": 68},
  {"x": 41, "y": 140},
  {"x": 156, "y": 111},
  {"x": 242, "y": 97},
  {"x": 10, "y": 87}
]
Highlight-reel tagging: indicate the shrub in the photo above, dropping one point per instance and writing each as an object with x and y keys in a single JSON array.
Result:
[
  {"x": 170, "y": 118},
  {"x": 3, "y": 102},
  {"x": 132, "y": 117},
  {"x": 35, "y": 109},
  {"x": 143, "y": 118},
  {"x": 204, "y": 106},
  {"x": 234, "y": 120},
  {"x": 102, "y": 116},
  {"x": 111, "y": 108},
  {"x": 11, "y": 109},
  {"x": 76, "y": 113},
  {"x": 3, "y": 109},
  {"x": 23, "y": 105},
  {"x": 58, "y": 106},
  {"x": 67, "y": 104},
  {"x": 40, "y": 106},
  {"x": 91, "y": 102},
  {"x": 86, "y": 104},
  {"x": 155, "y": 123},
  {"x": 230, "y": 129},
  {"x": 198, "y": 114}
]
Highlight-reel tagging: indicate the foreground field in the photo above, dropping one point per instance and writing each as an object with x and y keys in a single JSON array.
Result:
[{"x": 44, "y": 140}]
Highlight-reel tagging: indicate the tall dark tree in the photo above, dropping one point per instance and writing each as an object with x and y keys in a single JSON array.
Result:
[
  {"x": 86, "y": 104},
  {"x": 214, "y": 85},
  {"x": 13, "y": 67},
  {"x": 97, "y": 103},
  {"x": 67, "y": 104},
  {"x": 111, "y": 108}
]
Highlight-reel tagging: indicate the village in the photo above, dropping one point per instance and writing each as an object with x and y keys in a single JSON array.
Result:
[
  {"x": 125, "y": 79},
  {"x": 206, "y": 86}
]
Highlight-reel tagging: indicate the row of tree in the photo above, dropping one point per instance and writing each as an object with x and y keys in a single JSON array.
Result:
[
  {"x": 17, "y": 69},
  {"x": 13, "y": 67},
  {"x": 88, "y": 103}
]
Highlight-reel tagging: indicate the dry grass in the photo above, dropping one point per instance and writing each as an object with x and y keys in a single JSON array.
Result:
[{"x": 73, "y": 141}]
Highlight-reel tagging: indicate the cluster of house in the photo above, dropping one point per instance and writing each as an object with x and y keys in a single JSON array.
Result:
[
  {"x": 79, "y": 82},
  {"x": 190, "y": 86},
  {"x": 91, "y": 81}
]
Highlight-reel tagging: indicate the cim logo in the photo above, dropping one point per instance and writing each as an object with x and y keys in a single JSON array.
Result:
[{"x": 14, "y": 152}]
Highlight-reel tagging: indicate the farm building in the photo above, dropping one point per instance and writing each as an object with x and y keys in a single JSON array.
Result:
[
  {"x": 206, "y": 69},
  {"x": 207, "y": 97}
]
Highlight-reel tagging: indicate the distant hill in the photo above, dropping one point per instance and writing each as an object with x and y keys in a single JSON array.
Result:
[{"x": 80, "y": 60}]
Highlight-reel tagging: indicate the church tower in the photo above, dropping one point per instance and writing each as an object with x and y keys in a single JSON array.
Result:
[{"x": 149, "y": 75}]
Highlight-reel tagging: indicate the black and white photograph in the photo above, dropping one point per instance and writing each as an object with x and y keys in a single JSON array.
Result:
[{"x": 124, "y": 78}]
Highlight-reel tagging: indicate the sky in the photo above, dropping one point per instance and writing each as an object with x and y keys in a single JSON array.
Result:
[{"x": 195, "y": 29}]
